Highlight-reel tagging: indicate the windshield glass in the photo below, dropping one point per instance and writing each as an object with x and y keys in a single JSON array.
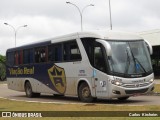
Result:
[{"x": 129, "y": 57}]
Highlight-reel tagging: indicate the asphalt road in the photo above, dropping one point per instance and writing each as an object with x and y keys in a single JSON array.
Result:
[{"x": 20, "y": 96}]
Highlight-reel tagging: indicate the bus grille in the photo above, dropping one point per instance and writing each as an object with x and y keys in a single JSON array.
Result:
[
  {"x": 136, "y": 91},
  {"x": 135, "y": 85}
]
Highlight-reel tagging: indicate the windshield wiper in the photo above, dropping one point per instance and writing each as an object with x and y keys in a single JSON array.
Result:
[
  {"x": 135, "y": 59},
  {"x": 128, "y": 62},
  {"x": 140, "y": 64}
]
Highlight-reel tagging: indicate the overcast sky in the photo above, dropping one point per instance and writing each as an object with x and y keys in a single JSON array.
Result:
[{"x": 49, "y": 18}]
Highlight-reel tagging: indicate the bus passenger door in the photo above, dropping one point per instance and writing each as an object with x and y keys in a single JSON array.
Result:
[{"x": 99, "y": 71}]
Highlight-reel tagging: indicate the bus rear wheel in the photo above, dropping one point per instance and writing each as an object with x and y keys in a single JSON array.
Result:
[
  {"x": 84, "y": 93},
  {"x": 29, "y": 92}
]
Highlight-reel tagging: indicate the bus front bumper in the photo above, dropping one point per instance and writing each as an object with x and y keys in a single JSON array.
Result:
[{"x": 120, "y": 91}]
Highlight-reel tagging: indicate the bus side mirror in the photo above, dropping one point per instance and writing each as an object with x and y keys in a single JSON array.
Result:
[
  {"x": 107, "y": 46},
  {"x": 149, "y": 46}
]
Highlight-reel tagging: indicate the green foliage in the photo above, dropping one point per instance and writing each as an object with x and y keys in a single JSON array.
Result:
[
  {"x": 2, "y": 68},
  {"x": 2, "y": 59}
]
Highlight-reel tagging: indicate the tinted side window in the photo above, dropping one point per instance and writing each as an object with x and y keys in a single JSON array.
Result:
[
  {"x": 28, "y": 56},
  {"x": 51, "y": 53},
  {"x": 88, "y": 44},
  {"x": 55, "y": 53},
  {"x": 18, "y": 57},
  {"x": 99, "y": 61},
  {"x": 10, "y": 58},
  {"x": 58, "y": 52},
  {"x": 95, "y": 53},
  {"x": 40, "y": 54},
  {"x": 71, "y": 51}
]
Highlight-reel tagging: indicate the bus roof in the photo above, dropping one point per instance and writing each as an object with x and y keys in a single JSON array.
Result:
[{"x": 111, "y": 35}]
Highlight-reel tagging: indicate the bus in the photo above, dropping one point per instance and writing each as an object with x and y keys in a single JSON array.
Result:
[{"x": 90, "y": 65}]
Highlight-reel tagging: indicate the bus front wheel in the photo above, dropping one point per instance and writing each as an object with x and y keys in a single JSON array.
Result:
[
  {"x": 84, "y": 93},
  {"x": 29, "y": 92}
]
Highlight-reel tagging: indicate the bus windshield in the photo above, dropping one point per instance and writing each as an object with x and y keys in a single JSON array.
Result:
[{"x": 129, "y": 58}]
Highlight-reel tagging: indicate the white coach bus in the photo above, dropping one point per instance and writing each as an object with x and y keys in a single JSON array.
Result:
[{"x": 85, "y": 64}]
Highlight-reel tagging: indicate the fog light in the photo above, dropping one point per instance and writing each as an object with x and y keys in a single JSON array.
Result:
[{"x": 116, "y": 92}]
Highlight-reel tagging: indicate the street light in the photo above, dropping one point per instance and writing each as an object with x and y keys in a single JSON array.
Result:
[
  {"x": 80, "y": 12},
  {"x": 110, "y": 15},
  {"x": 15, "y": 30}
]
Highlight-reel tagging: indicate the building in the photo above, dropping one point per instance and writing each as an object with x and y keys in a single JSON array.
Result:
[{"x": 153, "y": 37}]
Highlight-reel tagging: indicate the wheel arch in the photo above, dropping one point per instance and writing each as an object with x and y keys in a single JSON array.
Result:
[
  {"x": 32, "y": 84},
  {"x": 26, "y": 82},
  {"x": 84, "y": 80}
]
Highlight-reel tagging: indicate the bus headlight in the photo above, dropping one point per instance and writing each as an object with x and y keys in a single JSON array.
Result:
[
  {"x": 151, "y": 80},
  {"x": 118, "y": 83},
  {"x": 115, "y": 82}
]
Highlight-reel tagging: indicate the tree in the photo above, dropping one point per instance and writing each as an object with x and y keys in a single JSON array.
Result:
[{"x": 2, "y": 67}]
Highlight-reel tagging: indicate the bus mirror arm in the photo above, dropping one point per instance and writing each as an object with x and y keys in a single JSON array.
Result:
[
  {"x": 149, "y": 46},
  {"x": 107, "y": 46}
]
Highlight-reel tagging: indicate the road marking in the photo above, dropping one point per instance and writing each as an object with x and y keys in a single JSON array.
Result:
[
  {"x": 3, "y": 84},
  {"x": 40, "y": 102}
]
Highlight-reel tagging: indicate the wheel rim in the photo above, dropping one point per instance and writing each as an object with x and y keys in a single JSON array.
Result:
[
  {"x": 28, "y": 89},
  {"x": 85, "y": 92}
]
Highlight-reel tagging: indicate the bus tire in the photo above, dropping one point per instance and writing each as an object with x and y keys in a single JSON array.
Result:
[
  {"x": 123, "y": 98},
  {"x": 28, "y": 90},
  {"x": 84, "y": 93}
]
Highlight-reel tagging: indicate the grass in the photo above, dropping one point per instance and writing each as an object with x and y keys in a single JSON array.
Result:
[
  {"x": 9, "y": 105},
  {"x": 157, "y": 88}
]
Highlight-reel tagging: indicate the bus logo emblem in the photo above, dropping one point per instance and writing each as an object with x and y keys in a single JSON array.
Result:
[
  {"x": 136, "y": 85},
  {"x": 58, "y": 78}
]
